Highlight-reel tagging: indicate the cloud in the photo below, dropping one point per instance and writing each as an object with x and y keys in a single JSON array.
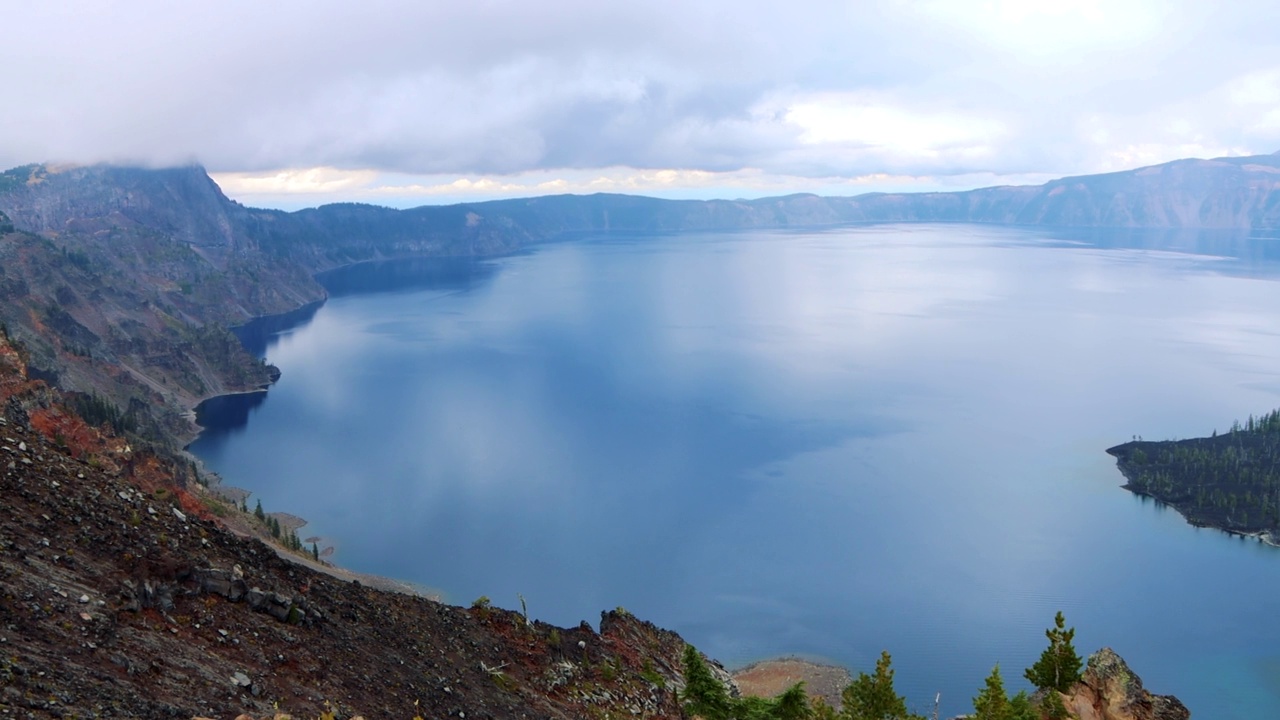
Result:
[
  {"x": 297, "y": 188},
  {"x": 493, "y": 90}
]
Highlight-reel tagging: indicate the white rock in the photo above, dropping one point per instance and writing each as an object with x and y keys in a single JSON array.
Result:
[
  {"x": 178, "y": 514},
  {"x": 84, "y": 598}
]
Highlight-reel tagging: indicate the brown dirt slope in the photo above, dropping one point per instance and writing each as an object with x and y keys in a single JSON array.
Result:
[{"x": 122, "y": 596}]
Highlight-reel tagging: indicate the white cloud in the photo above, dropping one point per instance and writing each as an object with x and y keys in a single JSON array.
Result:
[
  {"x": 1045, "y": 30},
  {"x": 493, "y": 93},
  {"x": 320, "y": 180},
  {"x": 297, "y": 188},
  {"x": 854, "y": 122}
]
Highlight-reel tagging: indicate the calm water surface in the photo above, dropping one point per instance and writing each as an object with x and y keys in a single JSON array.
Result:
[{"x": 824, "y": 443}]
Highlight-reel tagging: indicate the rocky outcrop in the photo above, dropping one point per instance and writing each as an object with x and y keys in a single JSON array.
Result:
[{"x": 1111, "y": 691}]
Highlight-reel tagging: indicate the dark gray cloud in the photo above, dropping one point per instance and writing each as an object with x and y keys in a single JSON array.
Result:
[{"x": 496, "y": 87}]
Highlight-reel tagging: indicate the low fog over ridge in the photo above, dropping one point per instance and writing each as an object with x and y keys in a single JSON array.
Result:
[{"x": 403, "y": 104}]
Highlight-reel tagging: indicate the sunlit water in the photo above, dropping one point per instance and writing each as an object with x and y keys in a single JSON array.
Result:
[{"x": 820, "y": 443}]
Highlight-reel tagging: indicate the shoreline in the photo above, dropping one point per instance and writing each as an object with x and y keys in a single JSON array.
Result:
[
  {"x": 1265, "y": 537},
  {"x": 272, "y": 325}
]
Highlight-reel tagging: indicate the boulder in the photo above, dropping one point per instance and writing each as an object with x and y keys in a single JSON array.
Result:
[{"x": 1109, "y": 690}]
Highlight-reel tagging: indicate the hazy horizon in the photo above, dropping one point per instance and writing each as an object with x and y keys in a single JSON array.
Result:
[{"x": 403, "y": 104}]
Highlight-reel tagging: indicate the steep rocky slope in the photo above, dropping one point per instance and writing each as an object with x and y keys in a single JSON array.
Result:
[{"x": 121, "y": 595}]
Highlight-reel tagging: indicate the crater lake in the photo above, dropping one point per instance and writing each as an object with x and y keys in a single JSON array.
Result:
[{"x": 823, "y": 443}]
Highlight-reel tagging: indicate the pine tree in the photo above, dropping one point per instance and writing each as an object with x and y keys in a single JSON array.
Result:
[
  {"x": 1020, "y": 707},
  {"x": 792, "y": 704},
  {"x": 873, "y": 697},
  {"x": 823, "y": 711},
  {"x": 1059, "y": 665},
  {"x": 258, "y": 513},
  {"x": 315, "y": 552},
  {"x": 992, "y": 703},
  {"x": 1052, "y": 707},
  {"x": 703, "y": 695}
]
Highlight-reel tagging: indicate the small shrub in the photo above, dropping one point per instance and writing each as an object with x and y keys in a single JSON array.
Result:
[
  {"x": 650, "y": 674},
  {"x": 481, "y": 606}
]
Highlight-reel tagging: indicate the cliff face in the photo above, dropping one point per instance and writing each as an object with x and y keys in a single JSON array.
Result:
[
  {"x": 121, "y": 284},
  {"x": 1111, "y": 691}
]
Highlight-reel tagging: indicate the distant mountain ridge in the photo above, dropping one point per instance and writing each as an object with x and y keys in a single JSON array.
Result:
[
  {"x": 1239, "y": 192},
  {"x": 1232, "y": 192},
  {"x": 123, "y": 281}
]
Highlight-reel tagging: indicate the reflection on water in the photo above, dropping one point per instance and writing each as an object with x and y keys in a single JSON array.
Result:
[
  {"x": 459, "y": 273},
  {"x": 824, "y": 443},
  {"x": 228, "y": 412}
]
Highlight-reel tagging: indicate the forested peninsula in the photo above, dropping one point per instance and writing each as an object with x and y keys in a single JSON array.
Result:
[{"x": 1228, "y": 481}]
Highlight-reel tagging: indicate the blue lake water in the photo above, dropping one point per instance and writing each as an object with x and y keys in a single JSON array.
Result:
[{"x": 822, "y": 443}]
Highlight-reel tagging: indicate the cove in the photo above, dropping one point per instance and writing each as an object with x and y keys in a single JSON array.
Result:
[{"x": 825, "y": 443}]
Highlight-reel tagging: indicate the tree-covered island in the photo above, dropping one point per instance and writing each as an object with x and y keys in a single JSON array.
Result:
[{"x": 1230, "y": 481}]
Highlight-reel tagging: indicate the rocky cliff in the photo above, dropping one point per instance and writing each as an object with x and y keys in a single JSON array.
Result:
[{"x": 1111, "y": 691}]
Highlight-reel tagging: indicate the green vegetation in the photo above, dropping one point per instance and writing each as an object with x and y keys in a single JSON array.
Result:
[
  {"x": 1059, "y": 666},
  {"x": 1229, "y": 481},
  {"x": 482, "y": 606},
  {"x": 98, "y": 411},
  {"x": 15, "y": 178},
  {"x": 873, "y": 697},
  {"x": 994, "y": 704},
  {"x": 703, "y": 694}
]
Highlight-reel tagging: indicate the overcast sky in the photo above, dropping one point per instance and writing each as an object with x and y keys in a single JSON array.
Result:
[{"x": 406, "y": 103}]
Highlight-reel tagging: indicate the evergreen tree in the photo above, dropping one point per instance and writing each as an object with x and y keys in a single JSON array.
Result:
[
  {"x": 703, "y": 694},
  {"x": 992, "y": 703},
  {"x": 258, "y": 513},
  {"x": 792, "y": 704},
  {"x": 1020, "y": 707},
  {"x": 1059, "y": 665},
  {"x": 823, "y": 711},
  {"x": 873, "y": 697},
  {"x": 315, "y": 552},
  {"x": 1052, "y": 708}
]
